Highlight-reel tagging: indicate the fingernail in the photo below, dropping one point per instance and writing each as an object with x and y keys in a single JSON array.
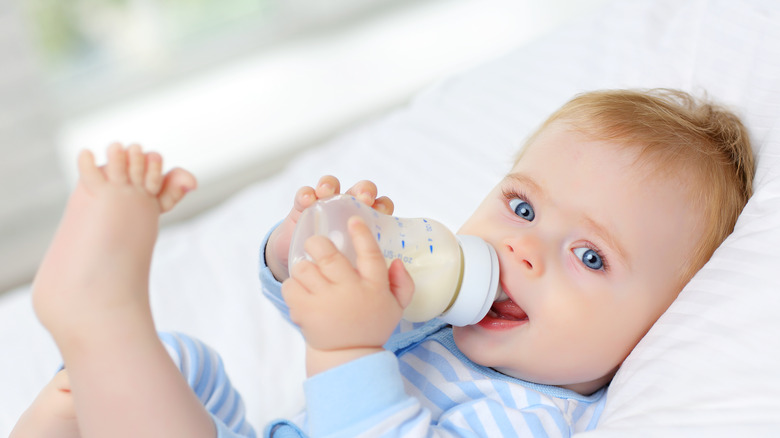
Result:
[
  {"x": 353, "y": 220},
  {"x": 365, "y": 197}
]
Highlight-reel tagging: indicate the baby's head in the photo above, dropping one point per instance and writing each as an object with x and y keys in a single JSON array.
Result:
[{"x": 612, "y": 206}]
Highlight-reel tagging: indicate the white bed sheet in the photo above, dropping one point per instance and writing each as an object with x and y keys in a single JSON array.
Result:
[{"x": 708, "y": 368}]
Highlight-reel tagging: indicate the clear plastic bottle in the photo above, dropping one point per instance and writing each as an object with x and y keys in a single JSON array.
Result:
[{"x": 455, "y": 277}]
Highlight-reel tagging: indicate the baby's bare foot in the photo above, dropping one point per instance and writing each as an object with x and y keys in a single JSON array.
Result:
[{"x": 97, "y": 267}]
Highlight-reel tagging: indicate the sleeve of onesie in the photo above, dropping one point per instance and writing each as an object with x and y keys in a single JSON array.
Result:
[
  {"x": 353, "y": 398},
  {"x": 272, "y": 288},
  {"x": 202, "y": 367}
]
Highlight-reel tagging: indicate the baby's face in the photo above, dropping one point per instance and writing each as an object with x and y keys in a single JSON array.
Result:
[{"x": 591, "y": 248}]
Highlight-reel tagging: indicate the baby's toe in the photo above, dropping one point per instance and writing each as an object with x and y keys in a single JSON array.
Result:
[
  {"x": 116, "y": 168},
  {"x": 176, "y": 184},
  {"x": 89, "y": 173},
  {"x": 153, "y": 179},
  {"x": 136, "y": 165}
]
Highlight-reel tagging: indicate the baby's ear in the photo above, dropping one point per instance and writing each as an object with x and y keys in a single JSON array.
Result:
[{"x": 401, "y": 283}]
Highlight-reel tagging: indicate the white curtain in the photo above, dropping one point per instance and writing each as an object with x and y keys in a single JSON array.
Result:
[{"x": 32, "y": 188}]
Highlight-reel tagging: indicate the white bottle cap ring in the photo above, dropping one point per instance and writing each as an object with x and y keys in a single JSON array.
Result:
[{"x": 479, "y": 287}]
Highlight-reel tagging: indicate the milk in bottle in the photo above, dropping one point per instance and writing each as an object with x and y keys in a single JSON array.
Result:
[{"x": 455, "y": 276}]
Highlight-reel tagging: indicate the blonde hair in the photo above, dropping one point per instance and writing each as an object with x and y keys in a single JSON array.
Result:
[{"x": 674, "y": 132}]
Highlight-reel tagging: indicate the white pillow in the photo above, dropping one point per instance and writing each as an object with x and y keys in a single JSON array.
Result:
[{"x": 710, "y": 366}]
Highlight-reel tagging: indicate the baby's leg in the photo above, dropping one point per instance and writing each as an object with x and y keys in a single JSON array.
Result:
[
  {"x": 91, "y": 293},
  {"x": 96, "y": 271},
  {"x": 51, "y": 415}
]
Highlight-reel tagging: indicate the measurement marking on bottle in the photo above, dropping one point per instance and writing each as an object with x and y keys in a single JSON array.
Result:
[{"x": 431, "y": 248}]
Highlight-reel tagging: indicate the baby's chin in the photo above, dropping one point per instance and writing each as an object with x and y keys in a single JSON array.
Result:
[{"x": 572, "y": 380}]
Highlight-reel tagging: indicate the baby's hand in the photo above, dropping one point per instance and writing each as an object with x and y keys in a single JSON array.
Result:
[
  {"x": 277, "y": 250},
  {"x": 345, "y": 312}
]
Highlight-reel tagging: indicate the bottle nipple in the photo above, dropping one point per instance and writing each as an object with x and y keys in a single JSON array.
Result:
[{"x": 479, "y": 286}]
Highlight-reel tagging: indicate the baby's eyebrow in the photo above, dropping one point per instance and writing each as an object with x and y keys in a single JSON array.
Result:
[
  {"x": 603, "y": 233},
  {"x": 525, "y": 180}
]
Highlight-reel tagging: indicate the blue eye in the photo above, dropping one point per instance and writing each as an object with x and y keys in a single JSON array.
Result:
[
  {"x": 522, "y": 209},
  {"x": 590, "y": 258}
]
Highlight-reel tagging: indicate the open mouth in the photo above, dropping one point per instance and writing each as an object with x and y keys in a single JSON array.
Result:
[{"x": 506, "y": 309}]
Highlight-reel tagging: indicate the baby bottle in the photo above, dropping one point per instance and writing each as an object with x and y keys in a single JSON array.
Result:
[{"x": 455, "y": 277}]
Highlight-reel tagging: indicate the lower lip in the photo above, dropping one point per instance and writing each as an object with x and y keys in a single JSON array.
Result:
[{"x": 495, "y": 323}]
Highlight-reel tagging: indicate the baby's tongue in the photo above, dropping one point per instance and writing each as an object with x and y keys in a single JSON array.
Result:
[{"x": 507, "y": 309}]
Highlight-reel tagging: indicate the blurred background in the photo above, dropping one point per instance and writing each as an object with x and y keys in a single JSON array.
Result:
[{"x": 230, "y": 89}]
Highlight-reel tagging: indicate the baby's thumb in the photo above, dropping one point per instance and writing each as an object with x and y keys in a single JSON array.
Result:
[{"x": 401, "y": 283}]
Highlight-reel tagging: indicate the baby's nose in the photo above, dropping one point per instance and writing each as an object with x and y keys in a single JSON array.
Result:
[{"x": 526, "y": 254}]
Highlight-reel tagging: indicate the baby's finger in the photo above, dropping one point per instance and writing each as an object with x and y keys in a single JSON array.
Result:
[
  {"x": 332, "y": 264},
  {"x": 385, "y": 205},
  {"x": 401, "y": 283},
  {"x": 296, "y": 296},
  {"x": 304, "y": 197},
  {"x": 309, "y": 276},
  {"x": 327, "y": 186},
  {"x": 365, "y": 191},
  {"x": 370, "y": 262}
]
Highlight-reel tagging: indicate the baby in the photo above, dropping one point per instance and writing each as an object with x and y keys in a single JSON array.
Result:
[{"x": 612, "y": 206}]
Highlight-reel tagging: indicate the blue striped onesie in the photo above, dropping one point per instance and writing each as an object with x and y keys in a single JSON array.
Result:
[
  {"x": 202, "y": 368},
  {"x": 423, "y": 386}
]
